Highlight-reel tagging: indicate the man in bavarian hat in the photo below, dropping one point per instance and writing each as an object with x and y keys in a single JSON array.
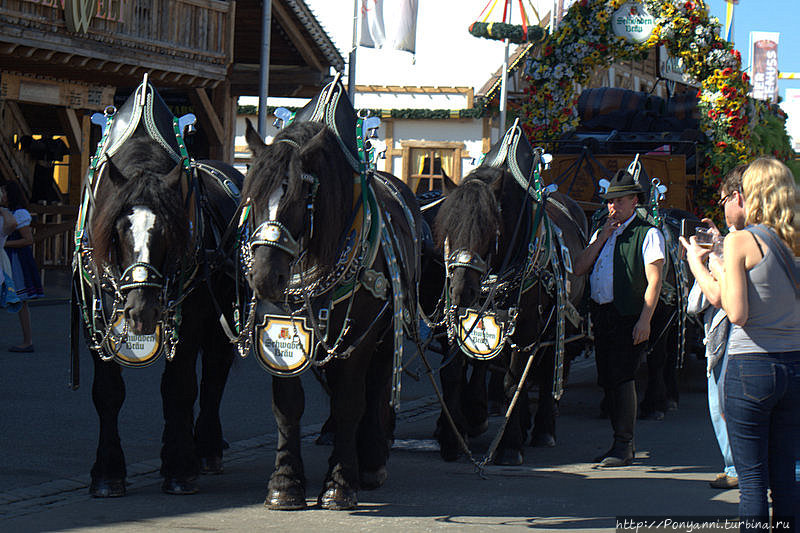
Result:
[{"x": 625, "y": 257}]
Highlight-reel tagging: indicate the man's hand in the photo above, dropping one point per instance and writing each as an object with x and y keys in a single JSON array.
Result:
[
  {"x": 610, "y": 225},
  {"x": 641, "y": 331}
]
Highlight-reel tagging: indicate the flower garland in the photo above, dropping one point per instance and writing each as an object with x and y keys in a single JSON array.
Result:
[{"x": 584, "y": 41}]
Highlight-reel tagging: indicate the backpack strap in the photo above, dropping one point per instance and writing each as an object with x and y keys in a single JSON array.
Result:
[{"x": 785, "y": 257}]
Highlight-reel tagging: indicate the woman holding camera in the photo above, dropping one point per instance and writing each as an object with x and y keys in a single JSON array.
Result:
[{"x": 759, "y": 282}]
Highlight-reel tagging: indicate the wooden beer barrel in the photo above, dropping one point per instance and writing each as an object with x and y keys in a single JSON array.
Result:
[
  {"x": 600, "y": 101},
  {"x": 683, "y": 106}
]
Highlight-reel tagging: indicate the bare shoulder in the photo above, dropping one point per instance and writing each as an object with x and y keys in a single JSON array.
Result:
[{"x": 742, "y": 244}]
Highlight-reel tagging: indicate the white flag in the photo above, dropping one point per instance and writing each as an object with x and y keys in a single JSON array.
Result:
[{"x": 389, "y": 24}]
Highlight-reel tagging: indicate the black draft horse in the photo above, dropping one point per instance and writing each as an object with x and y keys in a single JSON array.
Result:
[
  {"x": 142, "y": 219},
  {"x": 480, "y": 217},
  {"x": 673, "y": 334},
  {"x": 306, "y": 161}
]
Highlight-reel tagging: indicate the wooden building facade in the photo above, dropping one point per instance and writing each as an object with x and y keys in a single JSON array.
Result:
[{"x": 63, "y": 60}]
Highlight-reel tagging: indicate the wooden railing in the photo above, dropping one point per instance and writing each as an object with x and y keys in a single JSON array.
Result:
[
  {"x": 53, "y": 228},
  {"x": 153, "y": 30}
]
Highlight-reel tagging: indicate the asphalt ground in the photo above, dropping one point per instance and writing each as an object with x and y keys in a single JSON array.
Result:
[{"x": 49, "y": 435}]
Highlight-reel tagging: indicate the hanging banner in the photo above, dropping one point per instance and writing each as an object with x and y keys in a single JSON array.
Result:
[
  {"x": 764, "y": 59},
  {"x": 390, "y": 24}
]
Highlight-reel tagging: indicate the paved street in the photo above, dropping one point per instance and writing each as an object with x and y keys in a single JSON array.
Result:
[{"x": 49, "y": 437}]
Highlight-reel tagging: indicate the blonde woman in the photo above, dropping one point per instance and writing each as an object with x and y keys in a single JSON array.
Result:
[{"x": 759, "y": 283}]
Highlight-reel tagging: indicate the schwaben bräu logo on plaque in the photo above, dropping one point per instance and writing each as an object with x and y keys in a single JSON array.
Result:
[
  {"x": 138, "y": 350},
  {"x": 484, "y": 340},
  {"x": 633, "y": 22},
  {"x": 283, "y": 345}
]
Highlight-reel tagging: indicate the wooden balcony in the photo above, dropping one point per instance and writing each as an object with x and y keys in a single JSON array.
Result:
[{"x": 182, "y": 43}]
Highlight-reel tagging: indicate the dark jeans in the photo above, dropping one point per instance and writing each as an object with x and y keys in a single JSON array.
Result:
[{"x": 762, "y": 406}]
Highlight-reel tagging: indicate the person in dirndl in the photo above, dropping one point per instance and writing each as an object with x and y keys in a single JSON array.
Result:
[{"x": 25, "y": 271}]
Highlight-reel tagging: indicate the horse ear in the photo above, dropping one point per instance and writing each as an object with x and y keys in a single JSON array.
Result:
[
  {"x": 448, "y": 185},
  {"x": 254, "y": 140},
  {"x": 314, "y": 145},
  {"x": 497, "y": 184},
  {"x": 173, "y": 179},
  {"x": 117, "y": 178}
]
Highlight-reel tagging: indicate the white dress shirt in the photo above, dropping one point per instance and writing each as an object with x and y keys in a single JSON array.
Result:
[{"x": 602, "y": 276}]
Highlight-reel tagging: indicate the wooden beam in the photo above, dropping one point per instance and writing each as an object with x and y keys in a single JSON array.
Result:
[
  {"x": 298, "y": 38},
  {"x": 208, "y": 116},
  {"x": 72, "y": 128},
  {"x": 19, "y": 118}
]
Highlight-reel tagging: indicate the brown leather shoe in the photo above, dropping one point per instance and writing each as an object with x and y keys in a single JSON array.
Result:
[{"x": 725, "y": 482}]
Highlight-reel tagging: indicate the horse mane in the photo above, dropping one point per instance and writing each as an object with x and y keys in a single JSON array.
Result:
[
  {"x": 144, "y": 164},
  {"x": 320, "y": 156},
  {"x": 471, "y": 214}
]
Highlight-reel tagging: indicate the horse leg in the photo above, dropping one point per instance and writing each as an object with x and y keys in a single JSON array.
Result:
[
  {"x": 180, "y": 464},
  {"x": 509, "y": 451},
  {"x": 452, "y": 377},
  {"x": 670, "y": 375},
  {"x": 287, "y": 484},
  {"x": 108, "y": 394},
  {"x": 476, "y": 400},
  {"x": 349, "y": 404},
  {"x": 544, "y": 425},
  {"x": 654, "y": 402},
  {"x": 217, "y": 357},
  {"x": 326, "y": 434},
  {"x": 376, "y": 428}
]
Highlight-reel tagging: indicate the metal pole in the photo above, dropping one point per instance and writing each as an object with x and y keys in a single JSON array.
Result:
[
  {"x": 504, "y": 82},
  {"x": 263, "y": 85},
  {"x": 351, "y": 61},
  {"x": 504, "y": 91}
]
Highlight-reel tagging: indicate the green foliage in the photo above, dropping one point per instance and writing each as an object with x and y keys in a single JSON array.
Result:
[{"x": 513, "y": 32}]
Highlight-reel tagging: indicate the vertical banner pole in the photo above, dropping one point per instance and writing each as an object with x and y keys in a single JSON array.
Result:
[
  {"x": 351, "y": 61},
  {"x": 504, "y": 78},
  {"x": 263, "y": 85}
]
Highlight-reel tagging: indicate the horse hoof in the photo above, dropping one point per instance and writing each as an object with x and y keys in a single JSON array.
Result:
[
  {"x": 338, "y": 498},
  {"x": 107, "y": 488},
  {"x": 374, "y": 479},
  {"x": 449, "y": 455},
  {"x": 291, "y": 499},
  {"x": 325, "y": 439},
  {"x": 211, "y": 465},
  {"x": 478, "y": 428},
  {"x": 508, "y": 457},
  {"x": 179, "y": 486},
  {"x": 545, "y": 440}
]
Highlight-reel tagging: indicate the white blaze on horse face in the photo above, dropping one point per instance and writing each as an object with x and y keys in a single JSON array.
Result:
[
  {"x": 274, "y": 202},
  {"x": 142, "y": 221}
]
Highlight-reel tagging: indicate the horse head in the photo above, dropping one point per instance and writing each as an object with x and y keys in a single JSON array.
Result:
[
  {"x": 469, "y": 228},
  {"x": 141, "y": 232},
  {"x": 300, "y": 190}
]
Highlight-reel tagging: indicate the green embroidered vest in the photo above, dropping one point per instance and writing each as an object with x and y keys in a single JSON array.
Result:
[{"x": 630, "y": 281}]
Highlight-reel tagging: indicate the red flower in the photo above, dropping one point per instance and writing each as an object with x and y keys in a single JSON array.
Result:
[
  {"x": 548, "y": 50},
  {"x": 722, "y": 144},
  {"x": 745, "y": 77},
  {"x": 727, "y": 71},
  {"x": 689, "y": 6}
]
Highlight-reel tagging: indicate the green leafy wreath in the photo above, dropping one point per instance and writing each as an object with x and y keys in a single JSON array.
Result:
[{"x": 501, "y": 30}]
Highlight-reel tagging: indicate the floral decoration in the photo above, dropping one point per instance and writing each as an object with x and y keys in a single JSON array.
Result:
[{"x": 584, "y": 41}]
